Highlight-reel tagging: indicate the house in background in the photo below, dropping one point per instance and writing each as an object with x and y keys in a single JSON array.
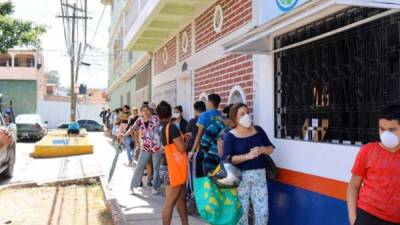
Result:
[
  {"x": 51, "y": 89},
  {"x": 22, "y": 79}
]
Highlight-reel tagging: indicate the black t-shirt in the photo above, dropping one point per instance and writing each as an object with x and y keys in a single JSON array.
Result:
[
  {"x": 183, "y": 125},
  {"x": 131, "y": 122},
  {"x": 173, "y": 133},
  {"x": 108, "y": 114}
]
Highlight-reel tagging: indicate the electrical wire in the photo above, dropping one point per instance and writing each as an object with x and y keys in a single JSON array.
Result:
[
  {"x": 98, "y": 24},
  {"x": 48, "y": 9},
  {"x": 64, "y": 27}
]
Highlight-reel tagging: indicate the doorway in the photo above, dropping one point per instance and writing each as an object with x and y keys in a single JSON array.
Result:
[{"x": 184, "y": 92}]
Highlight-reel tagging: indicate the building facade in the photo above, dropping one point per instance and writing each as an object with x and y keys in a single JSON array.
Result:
[
  {"x": 324, "y": 71},
  {"x": 126, "y": 67},
  {"x": 185, "y": 40},
  {"x": 314, "y": 74},
  {"x": 22, "y": 79}
]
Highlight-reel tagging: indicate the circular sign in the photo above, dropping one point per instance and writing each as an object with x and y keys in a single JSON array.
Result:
[{"x": 286, "y": 5}]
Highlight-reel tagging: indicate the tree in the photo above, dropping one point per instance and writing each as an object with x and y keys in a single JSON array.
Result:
[
  {"x": 14, "y": 32},
  {"x": 53, "y": 77}
]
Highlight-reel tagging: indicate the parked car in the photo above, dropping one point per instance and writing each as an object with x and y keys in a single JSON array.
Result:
[
  {"x": 30, "y": 126},
  {"x": 90, "y": 125},
  {"x": 62, "y": 126},
  {"x": 7, "y": 155}
]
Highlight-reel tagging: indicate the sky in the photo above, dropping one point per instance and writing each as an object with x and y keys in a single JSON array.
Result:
[{"x": 53, "y": 43}]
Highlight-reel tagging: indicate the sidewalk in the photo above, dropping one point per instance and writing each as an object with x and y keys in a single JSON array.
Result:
[{"x": 142, "y": 208}]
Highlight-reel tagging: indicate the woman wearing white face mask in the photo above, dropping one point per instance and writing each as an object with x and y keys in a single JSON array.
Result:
[
  {"x": 248, "y": 145},
  {"x": 178, "y": 119}
]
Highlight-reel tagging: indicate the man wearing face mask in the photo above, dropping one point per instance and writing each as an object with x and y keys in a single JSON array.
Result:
[{"x": 373, "y": 194}]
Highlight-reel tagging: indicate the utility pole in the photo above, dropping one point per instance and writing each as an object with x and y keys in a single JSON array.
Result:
[
  {"x": 74, "y": 64},
  {"x": 78, "y": 62},
  {"x": 85, "y": 22},
  {"x": 73, "y": 100}
]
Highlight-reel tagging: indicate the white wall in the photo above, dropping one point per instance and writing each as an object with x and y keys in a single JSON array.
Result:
[{"x": 59, "y": 112}]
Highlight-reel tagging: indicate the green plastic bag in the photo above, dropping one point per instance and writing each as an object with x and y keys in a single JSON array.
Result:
[{"x": 217, "y": 206}]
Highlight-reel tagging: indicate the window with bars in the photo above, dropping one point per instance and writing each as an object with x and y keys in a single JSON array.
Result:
[{"x": 334, "y": 88}]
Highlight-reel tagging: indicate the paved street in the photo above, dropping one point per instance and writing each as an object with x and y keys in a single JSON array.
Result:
[{"x": 140, "y": 209}]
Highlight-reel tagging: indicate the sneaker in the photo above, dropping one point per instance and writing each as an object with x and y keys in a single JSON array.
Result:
[
  {"x": 133, "y": 191},
  {"x": 154, "y": 192},
  {"x": 130, "y": 164},
  {"x": 149, "y": 184}
]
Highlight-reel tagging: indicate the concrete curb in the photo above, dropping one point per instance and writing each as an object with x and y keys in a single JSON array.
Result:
[
  {"x": 117, "y": 217},
  {"x": 66, "y": 182}
]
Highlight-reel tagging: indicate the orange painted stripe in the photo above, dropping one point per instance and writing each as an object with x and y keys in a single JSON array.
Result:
[{"x": 325, "y": 186}]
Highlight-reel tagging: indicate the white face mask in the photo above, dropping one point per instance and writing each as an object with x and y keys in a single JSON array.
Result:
[
  {"x": 245, "y": 121},
  {"x": 175, "y": 115},
  {"x": 389, "y": 139}
]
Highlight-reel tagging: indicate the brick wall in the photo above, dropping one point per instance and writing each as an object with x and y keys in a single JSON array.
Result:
[
  {"x": 220, "y": 76},
  {"x": 159, "y": 65},
  {"x": 236, "y": 14},
  {"x": 188, "y": 53}
]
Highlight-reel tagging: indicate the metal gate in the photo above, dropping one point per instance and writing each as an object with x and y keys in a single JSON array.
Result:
[{"x": 345, "y": 79}]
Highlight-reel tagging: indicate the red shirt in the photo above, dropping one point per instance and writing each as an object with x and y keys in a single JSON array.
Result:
[{"x": 380, "y": 171}]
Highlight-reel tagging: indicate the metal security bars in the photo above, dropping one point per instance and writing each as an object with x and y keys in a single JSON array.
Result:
[{"x": 343, "y": 80}]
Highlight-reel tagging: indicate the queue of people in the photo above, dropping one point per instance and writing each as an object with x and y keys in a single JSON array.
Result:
[
  {"x": 160, "y": 133},
  {"x": 204, "y": 140}
]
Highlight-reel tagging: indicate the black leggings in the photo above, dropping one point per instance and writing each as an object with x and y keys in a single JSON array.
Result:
[
  {"x": 199, "y": 164},
  {"x": 364, "y": 218}
]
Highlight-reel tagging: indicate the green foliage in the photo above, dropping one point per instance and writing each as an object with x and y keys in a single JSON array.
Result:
[
  {"x": 53, "y": 77},
  {"x": 6, "y": 8},
  {"x": 14, "y": 32}
]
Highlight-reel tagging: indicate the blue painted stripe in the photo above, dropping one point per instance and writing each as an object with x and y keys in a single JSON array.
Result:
[{"x": 289, "y": 205}]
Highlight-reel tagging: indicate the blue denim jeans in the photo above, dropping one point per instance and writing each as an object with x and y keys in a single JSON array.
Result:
[
  {"x": 129, "y": 149},
  {"x": 143, "y": 159}
]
